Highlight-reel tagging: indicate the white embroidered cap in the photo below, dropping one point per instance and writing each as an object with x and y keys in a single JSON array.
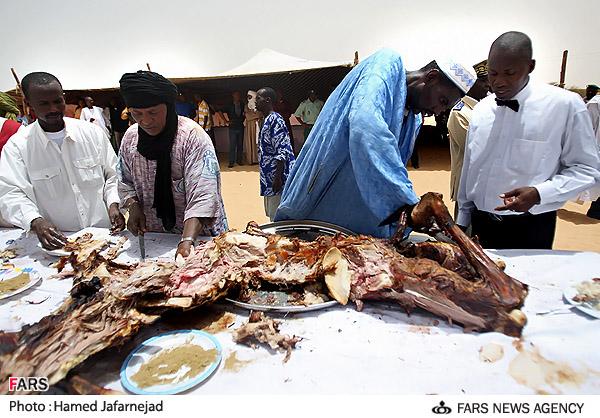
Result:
[{"x": 462, "y": 76}]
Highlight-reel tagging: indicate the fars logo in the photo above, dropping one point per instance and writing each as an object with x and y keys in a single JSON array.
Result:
[
  {"x": 28, "y": 384},
  {"x": 441, "y": 409}
]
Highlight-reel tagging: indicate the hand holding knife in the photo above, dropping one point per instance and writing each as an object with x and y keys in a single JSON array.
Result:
[{"x": 136, "y": 224}]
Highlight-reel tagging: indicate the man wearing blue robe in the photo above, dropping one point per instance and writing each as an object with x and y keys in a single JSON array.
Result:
[{"x": 351, "y": 171}]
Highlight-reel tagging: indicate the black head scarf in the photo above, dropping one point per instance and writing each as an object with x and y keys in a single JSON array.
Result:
[{"x": 146, "y": 89}]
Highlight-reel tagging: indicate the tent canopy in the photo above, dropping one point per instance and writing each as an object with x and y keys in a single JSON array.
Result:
[
  {"x": 268, "y": 61},
  {"x": 268, "y": 68},
  {"x": 293, "y": 75}
]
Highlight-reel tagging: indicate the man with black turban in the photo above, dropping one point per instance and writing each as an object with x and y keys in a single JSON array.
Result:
[{"x": 169, "y": 178}]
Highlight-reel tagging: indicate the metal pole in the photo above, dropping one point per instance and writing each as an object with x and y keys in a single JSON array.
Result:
[{"x": 563, "y": 70}]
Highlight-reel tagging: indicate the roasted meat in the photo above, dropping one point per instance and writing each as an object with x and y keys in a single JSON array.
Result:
[
  {"x": 110, "y": 301},
  {"x": 260, "y": 328},
  {"x": 100, "y": 312}
]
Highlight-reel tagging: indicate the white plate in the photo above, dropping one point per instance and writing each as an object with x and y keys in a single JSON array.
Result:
[
  {"x": 98, "y": 233},
  {"x": 8, "y": 271},
  {"x": 569, "y": 293},
  {"x": 154, "y": 345}
]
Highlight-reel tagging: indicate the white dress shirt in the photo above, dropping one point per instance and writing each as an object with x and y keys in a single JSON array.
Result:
[
  {"x": 95, "y": 113},
  {"x": 593, "y": 106},
  {"x": 70, "y": 186},
  {"x": 548, "y": 144}
]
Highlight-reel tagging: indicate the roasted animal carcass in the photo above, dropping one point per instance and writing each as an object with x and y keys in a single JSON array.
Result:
[
  {"x": 458, "y": 282},
  {"x": 98, "y": 314},
  {"x": 110, "y": 301}
]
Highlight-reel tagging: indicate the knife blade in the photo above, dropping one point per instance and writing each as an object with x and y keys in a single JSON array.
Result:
[{"x": 142, "y": 244}]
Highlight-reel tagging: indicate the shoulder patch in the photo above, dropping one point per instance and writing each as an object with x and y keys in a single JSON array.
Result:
[
  {"x": 459, "y": 105},
  {"x": 210, "y": 165}
]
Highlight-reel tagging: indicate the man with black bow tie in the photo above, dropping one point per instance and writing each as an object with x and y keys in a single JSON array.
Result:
[{"x": 530, "y": 148}]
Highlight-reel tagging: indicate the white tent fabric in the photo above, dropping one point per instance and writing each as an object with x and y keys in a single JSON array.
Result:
[{"x": 268, "y": 61}]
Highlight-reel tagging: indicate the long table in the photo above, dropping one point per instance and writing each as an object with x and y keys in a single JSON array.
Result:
[{"x": 381, "y": 350}]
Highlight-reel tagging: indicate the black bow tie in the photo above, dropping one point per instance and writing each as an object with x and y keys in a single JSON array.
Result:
[{"x": 511, "y": 104}]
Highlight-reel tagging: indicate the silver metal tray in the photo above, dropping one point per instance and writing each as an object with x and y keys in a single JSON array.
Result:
[
  {"x": 283, "y": 308},
  {"x": 307, "y": 231}
]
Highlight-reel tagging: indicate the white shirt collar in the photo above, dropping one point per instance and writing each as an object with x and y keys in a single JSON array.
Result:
[
  {"x": 39, "y": 132},
  {"x": 523, "y": 93}
]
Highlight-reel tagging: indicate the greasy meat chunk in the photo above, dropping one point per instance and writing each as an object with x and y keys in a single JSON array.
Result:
[{"x": 264, "y": 329}]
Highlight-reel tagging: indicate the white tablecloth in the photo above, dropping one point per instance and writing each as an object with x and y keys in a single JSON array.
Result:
[
  {"x": 378, "y": 351},
  {"x": 32, "y": 305}
]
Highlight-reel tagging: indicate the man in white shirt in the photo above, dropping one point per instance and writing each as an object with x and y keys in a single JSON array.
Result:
[
  {"x": 57, "y": 174},
  {"x": 593, "y": 106},
  {"x": 590, "y": 92},
  {"x": 530, "y": 148},
  {"x": 94, "y": 114},
  {"x": 308, "y": 111}
]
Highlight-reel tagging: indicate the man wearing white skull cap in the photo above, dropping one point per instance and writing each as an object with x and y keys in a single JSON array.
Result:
[{"x": 351, "y": 170}]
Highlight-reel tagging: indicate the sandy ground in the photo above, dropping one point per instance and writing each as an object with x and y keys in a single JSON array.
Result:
[{"x": 240, "y": 188}]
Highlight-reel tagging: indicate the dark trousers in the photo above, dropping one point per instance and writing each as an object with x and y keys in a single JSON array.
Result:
[
  {"x": 594, "y": 210},
  {"x": 211, "y": 133},
  {"x": 307, "y": 130},
  {"x": 525, "y": 231},
  {"x": 414, "y": 158},
  {"x": 236, "y": 145}
]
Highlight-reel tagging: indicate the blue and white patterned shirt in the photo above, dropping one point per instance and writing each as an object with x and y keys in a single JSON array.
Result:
[{"x": 274, "y": 145}]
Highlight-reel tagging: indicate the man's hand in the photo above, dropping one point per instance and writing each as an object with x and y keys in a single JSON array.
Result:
[
  {"x": 277, "y": 184},
  {"x": 520, "y": 200},
  {"x": 46, "y": 232},
  {"x": 184, "y": 249},
  {"x": 137, "y": 220},
  {"x": 117, "y": 220}
]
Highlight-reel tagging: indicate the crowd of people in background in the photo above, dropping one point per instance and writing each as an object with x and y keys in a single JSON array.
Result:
[
  {"x": 519, "y": 150},
  {"x": 244, "y": 120},
  {"x": 240, "y": 116}
]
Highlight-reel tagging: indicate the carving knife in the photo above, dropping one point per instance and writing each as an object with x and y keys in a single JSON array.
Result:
[{"x": 142, "y": 244}]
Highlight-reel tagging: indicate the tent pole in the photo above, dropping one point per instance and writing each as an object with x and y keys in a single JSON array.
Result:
[
  {"x": 20, "y": 89},
  {"x": 356, "y": 58},
  {"x": 563, "y": 69},
  {"x": 148, "y": 65}
]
